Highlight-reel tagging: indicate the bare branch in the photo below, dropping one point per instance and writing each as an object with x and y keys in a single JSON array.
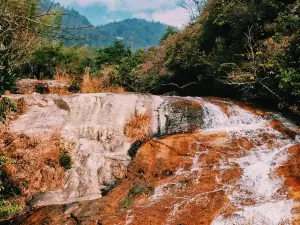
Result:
[{"x": 193, "y": 7}]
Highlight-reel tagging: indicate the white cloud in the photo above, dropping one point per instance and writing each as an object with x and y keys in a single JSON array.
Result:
[
  {"x": 176, "y": 17},
  {"x": 164, "y": 11},
  {"x": 124, "y": 5},
  {"x": 142, "y": 15}
]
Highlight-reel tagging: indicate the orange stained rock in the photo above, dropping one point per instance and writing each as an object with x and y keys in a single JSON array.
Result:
[
  {"x": 187, "y": 183},
  {"x": 291, "y": 173}
]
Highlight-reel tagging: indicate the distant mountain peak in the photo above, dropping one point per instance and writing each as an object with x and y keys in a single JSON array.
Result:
[{"x": 138, "y": 33}]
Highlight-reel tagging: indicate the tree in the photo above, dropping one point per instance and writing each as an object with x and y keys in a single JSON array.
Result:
[
  {"x": 169, "y": 32},
  {"x": 22, "y": 26},
  {"x": 112, "y": 54},
  {"x": 193, "y": 7},
  {"x": 16, "y": 37}
]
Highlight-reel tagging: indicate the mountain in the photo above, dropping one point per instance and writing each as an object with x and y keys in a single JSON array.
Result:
[{"x": 138, "y": 33}]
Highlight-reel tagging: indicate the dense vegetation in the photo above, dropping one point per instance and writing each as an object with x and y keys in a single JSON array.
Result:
[
  {"x": 240, "y": 49},
  {"x": 243, "y": 49},
  {"x": 236, "y": 48},
  {"x": 137, "y": 33}
]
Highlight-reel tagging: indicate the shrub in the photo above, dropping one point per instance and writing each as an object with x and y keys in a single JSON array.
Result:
[
  {"x": 6, "y": 106},
  {"x": 7, "y": 189},
  {"x": 136, "y": 190},
  {"x": 7, "y": 78},
  {"x": 138, "y": 126},
  {"x": 75, "y": 86},
  {"x": 65, "y": 159},
  {"x": 8, "y": 207},
  {"x": 126, "y": 203}
]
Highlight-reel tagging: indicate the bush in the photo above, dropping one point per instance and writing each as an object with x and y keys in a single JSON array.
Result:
[
  {"x": 136, "y": 190},
  {"x": 8, "y": 189},
  {"x": 7, "y": 78},
  {"x": 75, "y": 86},
  {"x": 8, "y": 207},
  {"x": 112, "y": 54},
  {"x": 65, "y": 159},
  {"x": 6, "y": 106}
]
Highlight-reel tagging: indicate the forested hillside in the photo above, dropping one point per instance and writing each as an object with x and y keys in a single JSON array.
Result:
[
  {"x": 247, "y": 50},
  {"x": 137, "y": 33},
  {"x": 241, "y": 49}
]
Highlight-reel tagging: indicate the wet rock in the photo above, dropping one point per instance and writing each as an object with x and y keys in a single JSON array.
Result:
[
  {"x": 235, "y": 168},
  {"x": 94, "y": 124}
]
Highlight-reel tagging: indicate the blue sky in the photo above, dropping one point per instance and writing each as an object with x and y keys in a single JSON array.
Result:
[{"x": 105, "y": 11}]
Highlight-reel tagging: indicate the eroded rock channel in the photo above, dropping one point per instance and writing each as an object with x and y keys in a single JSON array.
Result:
[{"x": 198, "y": 161}]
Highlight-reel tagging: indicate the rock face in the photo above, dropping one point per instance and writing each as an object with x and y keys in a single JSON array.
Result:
[
  {"x": 94, "y": 124},
  {"x": 29, "y": 86},
  {"x": 230, "y": 164}
]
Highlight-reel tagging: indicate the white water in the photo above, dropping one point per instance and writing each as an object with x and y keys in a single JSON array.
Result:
[
  {"x": 259, "y": 182},
  {"x": 215, "y": 119},
  {"x": 95, "y": 125}
]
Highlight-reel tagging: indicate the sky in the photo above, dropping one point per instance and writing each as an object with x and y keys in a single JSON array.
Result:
[{"x": 101, "y": 12}]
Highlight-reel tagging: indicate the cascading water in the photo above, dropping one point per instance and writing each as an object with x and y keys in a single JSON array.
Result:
[
  {"x": 215, "y": 118},
  {"x": 259, "y": 182},
  {"x": 258, "y": 194},
  {"x": 234, "y": 169}
]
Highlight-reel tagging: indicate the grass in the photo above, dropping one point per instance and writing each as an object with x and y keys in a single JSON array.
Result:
[
  {"x": 6, "y": 106},
  {"x": 137, "y": 128},
  {"x": 136, "y": 190},
  {"x": 98, "y": 84},
  {"x": 8, "y": 207},
  {"x": 126, "y": 204},
  {"x": 34, "y": 164}
]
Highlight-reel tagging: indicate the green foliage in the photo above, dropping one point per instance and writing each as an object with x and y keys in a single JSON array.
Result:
[
  {"x": 7, "y": 78},
  {"x": 126, "y": 204},
  {"x": 44, "y": 61},
  {"x": 8, "y": 207},
  {"x": 75, "y": 86},
  {"x": 7, "y": 189},
  {"x": 65, "y": 159},
  {"x": 170, "y": 32},
  {"x": 21, "y": 26},
  {"x": 136, "y": 190},
  {"x": 124, "y": 74},
  {"x": 243, "y": 49},
  {"x": 6, "y": 106},
  {"x": 113, "y": 54}
]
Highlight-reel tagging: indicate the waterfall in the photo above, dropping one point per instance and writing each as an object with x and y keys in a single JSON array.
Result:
[{"x": 215, "y": 118}]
